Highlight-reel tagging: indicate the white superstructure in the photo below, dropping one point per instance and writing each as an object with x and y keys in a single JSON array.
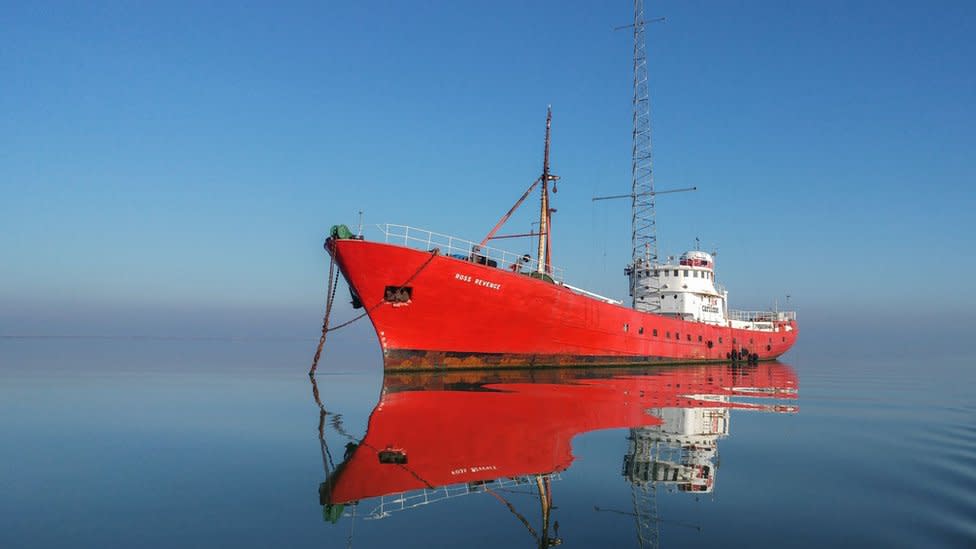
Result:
[
  {"x": 687, "y": 290},
  {"x": 681, "y": 450}
]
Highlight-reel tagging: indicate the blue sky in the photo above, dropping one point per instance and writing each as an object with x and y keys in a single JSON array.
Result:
[{"x": 186, "y": 160}]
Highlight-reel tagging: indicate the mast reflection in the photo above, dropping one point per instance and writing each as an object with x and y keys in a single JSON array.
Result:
[{"x": 436, "y": 436}]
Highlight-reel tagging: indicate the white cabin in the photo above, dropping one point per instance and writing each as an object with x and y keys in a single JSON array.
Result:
[{"x": 685, "y": 290}]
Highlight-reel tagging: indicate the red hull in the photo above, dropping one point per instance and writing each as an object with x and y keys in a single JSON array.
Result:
[
  {"x": 463, "y": 427},
  {"x": 462, "y": 314}
]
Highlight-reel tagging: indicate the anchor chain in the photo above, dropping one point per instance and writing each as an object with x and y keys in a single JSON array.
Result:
[
  {"x": 333, "y": 282},
  {"x": 330, "y": 292}
]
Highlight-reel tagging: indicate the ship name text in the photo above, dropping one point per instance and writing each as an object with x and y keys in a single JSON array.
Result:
[
  {"x": 475, "y": 469},
  {"x": 477, "y": 281}
]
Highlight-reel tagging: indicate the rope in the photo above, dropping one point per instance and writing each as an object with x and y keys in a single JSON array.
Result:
[
  {"x": 330, "y": 292},
  {"x": 333, "y": 282}
]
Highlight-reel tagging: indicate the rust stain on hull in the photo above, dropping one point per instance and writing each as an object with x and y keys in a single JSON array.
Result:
[{"x": 413, "y": 360}]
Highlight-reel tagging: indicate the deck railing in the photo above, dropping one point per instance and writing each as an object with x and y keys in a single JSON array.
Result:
[
  {"x": 459, "y": 248},
  {"x": 391, "y": 503},
  {"x": 762, "y": 316}
]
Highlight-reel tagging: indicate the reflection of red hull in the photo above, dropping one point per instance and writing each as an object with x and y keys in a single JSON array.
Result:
[
  {"x": 462, "y": 314},
  {"x": 462, "y": 427}
]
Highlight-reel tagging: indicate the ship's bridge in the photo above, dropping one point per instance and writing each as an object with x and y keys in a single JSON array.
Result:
[
  {"x": 684, "y": 289},
  {"x": 696, "y": 258}
]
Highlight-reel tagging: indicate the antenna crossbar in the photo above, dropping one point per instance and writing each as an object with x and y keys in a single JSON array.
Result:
[{"x": 654, "y": 193}]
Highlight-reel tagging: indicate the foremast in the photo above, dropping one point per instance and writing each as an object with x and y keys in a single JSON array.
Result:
[{"x": 545, "y": 212}]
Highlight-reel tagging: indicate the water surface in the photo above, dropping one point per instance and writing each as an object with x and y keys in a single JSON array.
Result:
[{"x": 200, "y": 443}]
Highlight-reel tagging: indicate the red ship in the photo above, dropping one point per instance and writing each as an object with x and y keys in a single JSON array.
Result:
[
  {"x": 421, "y": 446},
  {"x": 440, "y": 301},
  {"x": 431, "y": 308}
]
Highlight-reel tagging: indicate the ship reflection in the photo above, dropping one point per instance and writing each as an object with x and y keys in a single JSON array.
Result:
[{"x": 438, "y": 436}]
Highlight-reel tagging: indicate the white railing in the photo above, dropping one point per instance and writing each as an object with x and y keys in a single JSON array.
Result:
[
  {"x": 762, "y": 316},
  {"x": 459, "y": 248},
  {"x": 402, "y": 501}
]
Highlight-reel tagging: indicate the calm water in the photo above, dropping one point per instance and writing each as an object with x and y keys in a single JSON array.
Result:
[{"x": 222, "y": 443}]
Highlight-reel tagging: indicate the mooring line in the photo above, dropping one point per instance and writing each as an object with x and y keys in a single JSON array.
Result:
[{"x": 333, "y": 283}]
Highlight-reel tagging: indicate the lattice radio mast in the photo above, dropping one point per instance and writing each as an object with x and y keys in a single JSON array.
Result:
[{"x": 643, "y": 227}]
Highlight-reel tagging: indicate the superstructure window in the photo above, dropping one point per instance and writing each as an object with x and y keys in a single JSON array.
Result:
[
  {"x": 676, "y": 272},
  {"x": 695, "y": 273},
  {"x": 689, "y": 337},
  {"x": 699, "y": 339},
  {"x": 685, "y": 273},
  {"x": 655, "y": 332},
  {"x": 677, "y": 336},
  {"x": 720, "y": 340},
  {"x": 640, "y": 330},
  {"x": 667, "y": 335}
]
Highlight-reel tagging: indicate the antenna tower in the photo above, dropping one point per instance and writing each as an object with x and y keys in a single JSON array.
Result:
[{"x": 643, "y": 228}]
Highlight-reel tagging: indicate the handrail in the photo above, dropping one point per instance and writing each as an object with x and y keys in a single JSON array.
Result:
[
  {"x": 761, "y": 316},
  {"x": 401, "y": 501},
  {"x": 458, "y": 248}
]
